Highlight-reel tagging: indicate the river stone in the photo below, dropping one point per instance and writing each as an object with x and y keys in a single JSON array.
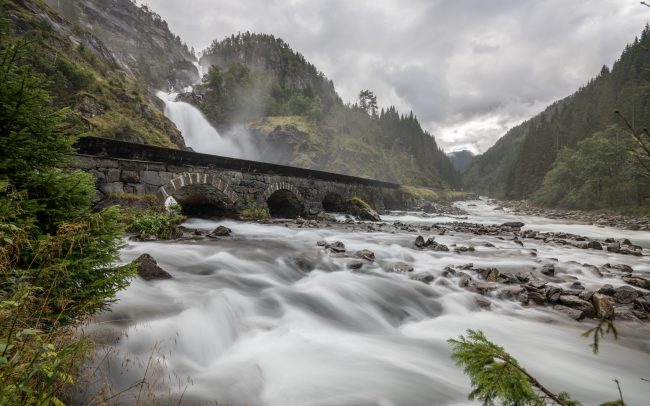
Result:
[
  {"x": 514, "y": 224},
  {"x": 620, "y": 267},
  {"x": 625, "y": 294},
  {"x": 548, "y": 270},
  {"x": 607, "y": 289},
  {"x": 419, "y": 242},
  {"x": 485, "y": 287},
  {"x": 638, "y": 281},
  {"x": 577, "y": 286},
  {"x": 336, "y": 246},
  {"x": 425, "y": 277},
  {"x": 148, "y": 269},
  {"x": 575, "y": 302},
  {"x": 575, "y": 314},
  {"x": 642, "y": 304},
  {"x": 355, "y": 264},
  {"x": 536, "y": 297},
  {"x": 594, "y": 245},
  {"x": 448, "y": 272},
  {"x": 220, "y": 231},
  {"x": 586, "y": 294},
  {"x": 401, "y": 267},
  {"x": 523, "y": 276},
  {"x": 553, "y": 293},
  {"x": 602, "y": 305},
  {"x": 491, "y": 275},
  {"x": 366, "y": 254},
  {"x": 511, "y": 292}
]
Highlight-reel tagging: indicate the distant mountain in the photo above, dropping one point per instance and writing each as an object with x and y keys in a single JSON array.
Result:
[
  {"x": 258, "y": 81},
  {"x": 516, "y": 166},
  {"x": 461, "y": 159}
]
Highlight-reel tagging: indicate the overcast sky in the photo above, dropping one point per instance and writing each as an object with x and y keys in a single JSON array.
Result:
[{"x": 469, "y": 69}]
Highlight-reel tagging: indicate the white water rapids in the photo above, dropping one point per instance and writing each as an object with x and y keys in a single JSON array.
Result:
[{"x": 268, "y": 318}]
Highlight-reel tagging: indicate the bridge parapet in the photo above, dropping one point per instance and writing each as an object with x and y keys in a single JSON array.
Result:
[{"x": 226, "y": 185}]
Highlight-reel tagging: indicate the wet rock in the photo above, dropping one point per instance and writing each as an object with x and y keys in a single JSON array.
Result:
[
  {"x": 537, "y": 284},
  {"x": 553, "y": 293},
  {"x": 594, "y": 245},
  {"x": 448, "y": 272},
  {"x": 429, "y": 243},
  {"x": 355, "y": 265},
  {"x": 523, "y": 276},
  {"x": 620, "y": 268},
  {"x": 148, "y": 268},
  {"x": 575, "y": 302},
  {"x": 625, "y": 294},
  {"x": 514, "y": 224},
  {"x": 511, "y": 292},
  {"x": 607, "y": 289},
  {"x": 367, "y": 255},
  {"x": 336, "y": 246},
  {"x": 507, "y": 278},
  {"x": 425, "y": 277},
  {"x": 466, "y": 266},
  {"x": 220, "y": 231},
  {"x": 615, "y": 247},
  {"x": 482, "y": 302},
  {"x": 623, "y": 313},
  {"x": 603, "y": 305},
  {"x": 491, "y": 275},
  {"x": 485, "y": 287},
  {"x": 401, "y": 267},
  {"x": 420, "y": 242},
  {"x": 536, "y": 297},
  {"x": 638, "y": 281},
  {"x": 577, "y": 286},
  {"x": 548, "y": 270},
  {"x": 321, "y": 243},
  {"x": 362, "y": 210},
  {"x": 305, "y": 264},
  {"x": 575, "y": 314},
  {"x": 642, "y": 304},
  {"x": 586, "y": 294}
]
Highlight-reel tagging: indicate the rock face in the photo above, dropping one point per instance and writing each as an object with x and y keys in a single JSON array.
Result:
[
  {"x": 138, "y": 38},
  {"x": 148, "y": 269},
  {"x": 361, "y": 209}
]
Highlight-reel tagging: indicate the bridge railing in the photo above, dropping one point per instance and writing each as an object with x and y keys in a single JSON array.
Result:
[{"x": 104, "y": 147}]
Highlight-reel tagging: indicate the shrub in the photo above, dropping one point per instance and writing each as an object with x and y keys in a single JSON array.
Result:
[
  {"x": 255, "y": 211},
  {"x": 161, "y": 225}
]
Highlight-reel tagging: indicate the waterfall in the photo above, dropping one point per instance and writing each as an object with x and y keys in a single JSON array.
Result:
[{"x": 199, "y": 134}]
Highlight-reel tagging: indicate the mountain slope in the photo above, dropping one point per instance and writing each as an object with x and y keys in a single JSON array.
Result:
[
  {"x": 139, "y": 39},
  {"x": 258, "y": 81},
  {"x": 461, "y": 159},
  {"x": 84, "y": 75},
  {"x": 516, "y": 165}
]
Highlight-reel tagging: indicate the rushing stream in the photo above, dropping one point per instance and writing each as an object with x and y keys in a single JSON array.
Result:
[{"x": 266, "y": 317}]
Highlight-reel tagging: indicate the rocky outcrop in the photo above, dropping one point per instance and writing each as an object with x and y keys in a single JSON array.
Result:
[{"x": 148, "y": 268}]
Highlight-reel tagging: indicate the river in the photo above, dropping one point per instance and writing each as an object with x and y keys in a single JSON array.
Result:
[{"x": 266, "y": 317}]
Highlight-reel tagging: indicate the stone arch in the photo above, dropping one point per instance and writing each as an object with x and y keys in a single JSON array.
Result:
[
  {"x": 281, "y": 186},
  {"x": 283, "y": 200},
  {"x": 198, "y": 191}
]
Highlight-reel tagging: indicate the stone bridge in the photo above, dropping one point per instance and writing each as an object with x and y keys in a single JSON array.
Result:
[{"x": 222, "y": 186}]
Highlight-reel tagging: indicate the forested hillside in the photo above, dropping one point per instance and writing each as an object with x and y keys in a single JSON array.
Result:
[
  {"x": 461, "y": 159},
  {"x": 83, "y": 74},
  {"x": 257, "y": 80},
  {"x": 516, "y": 166}
]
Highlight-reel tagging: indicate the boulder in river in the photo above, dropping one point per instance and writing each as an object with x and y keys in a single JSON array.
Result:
[
  {"x": 401, "y": 267},
  {"x": 603, "y": 305},
  {"x": 355, "y": 264},
  {"x": 424, "y": 277},
  {"x": 594, "y": 245},
  {"x": 220, "y": 231},
  {"x": 575, "y": 302},
  {"x": 638, "y": 281},
  {"x": 625, "y": 294},
  {"x": 513, "y": 224},
  {"x": 361, "y": 209},
  {"x": 548, "y": 270},
  {"x": 148, "y": 269},
  {"x": 366, "y": 254},
  {"x": 575, "y": 314}
]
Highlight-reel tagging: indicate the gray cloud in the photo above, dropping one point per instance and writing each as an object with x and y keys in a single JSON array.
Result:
[{"x": 469, "y": 69}]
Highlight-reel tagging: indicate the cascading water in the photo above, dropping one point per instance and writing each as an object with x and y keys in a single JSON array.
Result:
[
  {"x": 269, "y": 318},
  {"x": 197, "y": 131}
]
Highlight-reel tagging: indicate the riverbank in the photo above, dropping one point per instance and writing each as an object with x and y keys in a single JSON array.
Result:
[{"x": 598, "y": 218}]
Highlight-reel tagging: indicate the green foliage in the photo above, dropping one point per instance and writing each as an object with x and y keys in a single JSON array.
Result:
[
  {"x": 161, "y": 225},
  {"x": 254, "y": 211},
  {"x": 516, "y": 166},
  {"x": 495, "y": 375},
  {"x": 602, "y": 171},
  {"x": 604, "y": 326},
  {"x": 56, "y": 255}
]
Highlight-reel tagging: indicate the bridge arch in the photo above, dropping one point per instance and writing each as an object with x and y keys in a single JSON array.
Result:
[
  {"x": 200, "y": 193},
  {"x": 283, "y": 200}
]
